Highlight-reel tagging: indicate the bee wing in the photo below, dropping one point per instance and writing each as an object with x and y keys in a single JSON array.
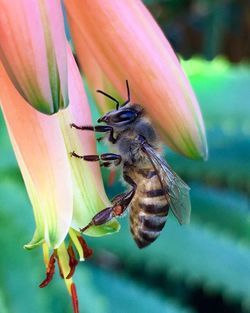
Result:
[{"x": 177, "y": 190}]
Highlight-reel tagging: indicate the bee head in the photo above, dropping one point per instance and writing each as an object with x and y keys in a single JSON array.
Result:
[
  {"x": 124, "y": 114},
  {"x": 121, "y": 117}
]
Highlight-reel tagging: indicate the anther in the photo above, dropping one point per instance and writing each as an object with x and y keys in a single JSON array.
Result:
[
  {"x": 72, "y": 261},
  {"x": 49, "y": 271},
  {"x": 87, "y": 252}
]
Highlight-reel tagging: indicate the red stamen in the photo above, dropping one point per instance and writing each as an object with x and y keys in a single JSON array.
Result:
[
  {"x": 86, "y": 250},
  {"x": 59, "y": 266},
  {"x": 74, "y": 298},
  {"x": 49, "y": 271},
  {"x": 72, "y": 261}
]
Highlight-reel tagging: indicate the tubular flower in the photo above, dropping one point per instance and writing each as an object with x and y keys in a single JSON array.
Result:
[
  {"x": 65, "y": 192},
  {"x": 33, "y": 51},
  {"x": 131, "y": 46},
  {"x": 40, "y": 150}
]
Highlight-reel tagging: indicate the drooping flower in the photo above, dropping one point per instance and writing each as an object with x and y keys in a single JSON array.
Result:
[
  {"x": 40, "y": 150},
  {"x": 33, "y": 51},
  {"x": 126, "y": 43},
  {"x": 65, "y": 192}
]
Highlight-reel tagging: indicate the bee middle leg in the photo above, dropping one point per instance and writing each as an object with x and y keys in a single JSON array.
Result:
[
  {"x": 106, "y": 159},
  {"x": 120, "y": 204}
]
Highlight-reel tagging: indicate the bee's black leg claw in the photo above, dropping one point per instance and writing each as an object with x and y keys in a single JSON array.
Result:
[{"x": 86, "y": 227}]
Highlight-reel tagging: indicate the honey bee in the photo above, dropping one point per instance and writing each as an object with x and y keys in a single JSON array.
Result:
[{"x": 155, "y": 186}]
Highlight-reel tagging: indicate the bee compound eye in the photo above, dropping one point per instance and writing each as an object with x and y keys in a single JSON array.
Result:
[{"x": 126, "y": 116}]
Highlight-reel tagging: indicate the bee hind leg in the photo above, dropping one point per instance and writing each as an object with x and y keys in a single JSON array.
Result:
[{"x": 120, "y": 204}]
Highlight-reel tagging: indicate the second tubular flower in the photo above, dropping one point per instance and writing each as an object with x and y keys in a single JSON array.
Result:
[
  {"x": 86, "y": 176},
  {"x": 126, "y": 43}
]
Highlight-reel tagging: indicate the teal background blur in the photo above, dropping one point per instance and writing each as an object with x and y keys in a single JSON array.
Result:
[{"x": 202, "y": 267}]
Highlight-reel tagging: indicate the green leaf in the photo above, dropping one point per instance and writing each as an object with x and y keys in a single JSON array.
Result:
[
  {"x": 121, "y": 295},
  {"x": 223, "y": 91},
  {"x": 228, "y": 164},
  {"x": 3, "y": 304},
  {"x": 225, "y": 211},
  {"x": 19, "y": 273},
  {"x": 193, "y": 252}
]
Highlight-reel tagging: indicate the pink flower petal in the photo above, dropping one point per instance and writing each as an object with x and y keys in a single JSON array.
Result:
[
  {"x": 33, "y": 51},
  {"x": 95, "y": 77},
  {"x": 128, "y": 44},
  {"x": 41, "y": 154}
]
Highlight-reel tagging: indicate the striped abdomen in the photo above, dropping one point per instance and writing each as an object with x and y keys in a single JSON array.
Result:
[{"x": 149, "y": 208}]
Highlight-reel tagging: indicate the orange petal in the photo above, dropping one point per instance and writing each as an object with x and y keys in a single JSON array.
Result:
[
  {"x": 96, "y": 78},
  {"x": 41, "y": 154},
  {"x": 128, "y": 44},
  {"x": 33, "y": 51}
]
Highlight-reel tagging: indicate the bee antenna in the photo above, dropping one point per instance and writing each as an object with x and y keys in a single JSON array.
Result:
[
  {"x": 110, "y": 97},
  {"x": 128, "y": 93}
]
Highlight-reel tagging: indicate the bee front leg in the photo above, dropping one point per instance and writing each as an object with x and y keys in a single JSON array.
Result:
[
  {"x": 120, "y": 204},
  {"x": 99, "y": 129}
]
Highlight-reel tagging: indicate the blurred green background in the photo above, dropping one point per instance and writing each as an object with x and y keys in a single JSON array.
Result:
[{"x": 203, "y": 267}]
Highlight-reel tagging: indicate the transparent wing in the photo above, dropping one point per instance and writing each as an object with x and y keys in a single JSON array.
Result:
[{"x": 177, "y": 190}]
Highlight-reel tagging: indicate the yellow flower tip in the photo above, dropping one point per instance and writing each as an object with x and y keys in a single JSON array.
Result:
[
  {"x": 204, "y": 155},
  {"x": 31, "y": 245},
  {"x": 45, "y": 254},
  {"x": 193, "y": 148}
]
